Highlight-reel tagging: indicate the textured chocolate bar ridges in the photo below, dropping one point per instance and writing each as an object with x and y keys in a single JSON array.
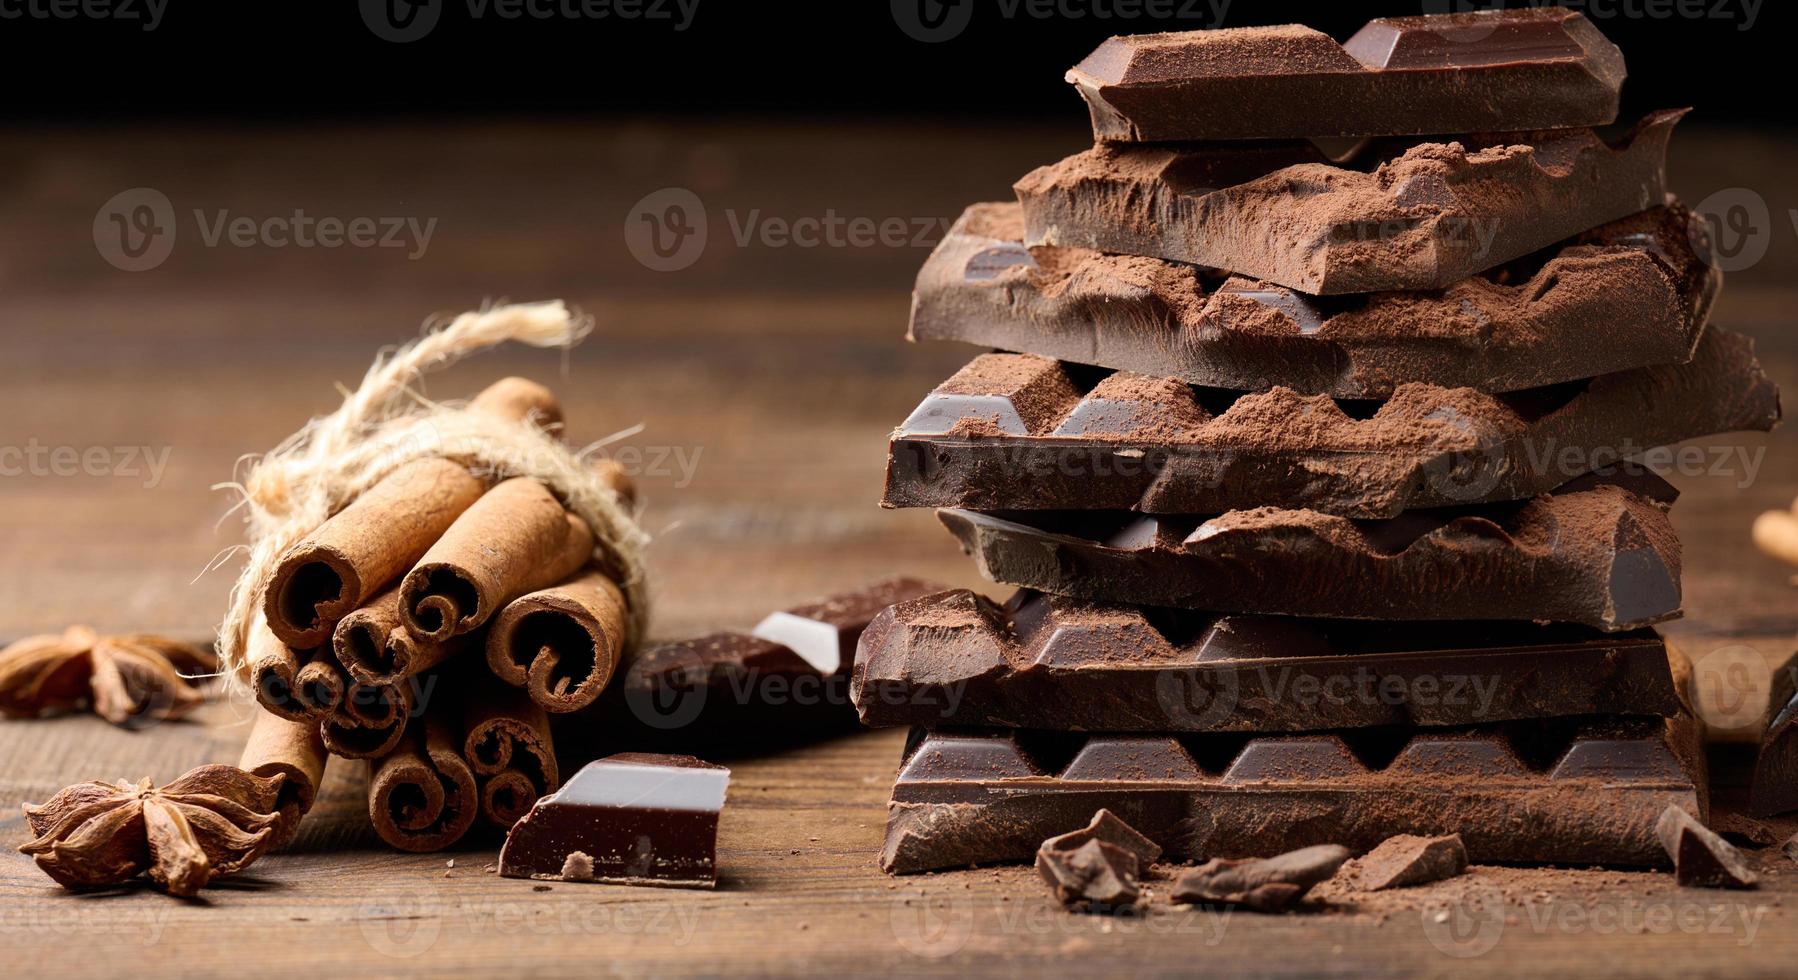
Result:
[
  {"x": 1020, "y": 432},
  {"x": 1038, "y": 661},
  {"x": 1432, "y": 215},
  {"x": 1504, "y": 69},
  {"x": 1631, "y": 293},
  {"x": 1600, "y": 555},
  {"x": 1574, "y": 790}
]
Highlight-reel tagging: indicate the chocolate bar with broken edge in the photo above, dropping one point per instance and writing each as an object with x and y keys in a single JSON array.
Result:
[
  {"x": 730, "y": 680},
  {"x": 1038, "y": 661},
  {"x": 1631, "y": 293},
  {"x": 1577, "y": 791},
  {"x": 1598, "y": 551},
  {"x": 1774, "y": 788},
  {"x": 1515, "y": 69},
  {"x": 1016, "y": 432},
  {"x": 1424, "y": 219}
]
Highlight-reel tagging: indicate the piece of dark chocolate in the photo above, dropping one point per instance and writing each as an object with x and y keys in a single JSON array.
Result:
[
  {"x": 1019, "y": 432},
  {"x": 1422, "y": 219},
  {"x": 956, "y": 658},
  {"x": 1601, "y": 556},
  {"x": 1407, "y": 859},
  {"x": 635, "y": 818},
  {"x": 1505, "y": 69},
  {"x": 1263, "y": 884},
  {"x": 1576, "y": 791},
  {"x": 1105, "y": 826},
  {"x": 1631, "y": 293},
  {"x": 1097, "y": 872},
  {"x": 1774, "y": 788},
  {"x": 1701, "y": 859}
]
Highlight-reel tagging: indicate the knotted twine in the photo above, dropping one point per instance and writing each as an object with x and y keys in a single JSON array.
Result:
[{"x": 385, "y": 424}]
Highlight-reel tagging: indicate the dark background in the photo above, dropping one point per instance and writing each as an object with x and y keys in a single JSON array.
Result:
[{"x": 817, "y": 58}]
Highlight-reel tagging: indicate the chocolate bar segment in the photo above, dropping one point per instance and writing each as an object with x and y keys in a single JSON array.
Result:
[
  {"x": 1775, "y": 785},
  {"x": 1421, "y": 219},
  {"x": 1492, "y": 70},
  {"x": 957, "y": 659},
  {"x": 1631, "y": 293},
  {"x": 1019, "y": 432},
  {"x": 1584, "y": 791},
  {"x": 634, "y": 818},
  {"x": 1601, "y": 556}
]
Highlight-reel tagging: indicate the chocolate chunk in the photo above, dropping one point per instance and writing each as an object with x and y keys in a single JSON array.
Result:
[
  {"x": 1581, "y": 791},
  {"x": 1422, "y": 219},
  {"x": 1096, "y": 872},
  {"x": 1262, "y": 884},
  {"x": 1505, "y": 69},
  {"x": 1407, "y": 859},
  {"x": 1775, "y": 785},
  {"x": 1019, "y": 432},
  {"x": 957, "y": 659},
  {"x": 1790, "y": 848},
  {"x": 1602, "y": 557},
  {"x": 635, "y": 818},
  {"x": 1629, "y": 294},
  {"x": 1108, "y": 827},
  {"x": 1700, "y": 858}
]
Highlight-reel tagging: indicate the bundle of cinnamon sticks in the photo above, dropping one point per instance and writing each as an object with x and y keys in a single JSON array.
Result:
[{"x": 432, "y": 625}]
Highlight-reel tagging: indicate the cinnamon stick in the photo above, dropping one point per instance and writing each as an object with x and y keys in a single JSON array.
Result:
[
  {"x": 374, "y": 645},
  {"x": 561, "y": 644},
  {"x": 515, "y": 539},
  {"x": 371, "y": 721},
  {"x": 291, "y": 749},
  {"x": 422, "y": 797},
  {"x": 521, "y": 399},
  {"x": 283, "y": 683},
  {"x": 512, "y": 753}
]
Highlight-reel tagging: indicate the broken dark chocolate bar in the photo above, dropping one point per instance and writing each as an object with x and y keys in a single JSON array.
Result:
[
  {"x": 1775, "y": 785},
  {"x": 1701, "y": 859},
  {"x": 787, "y": 676},
  {"x": 956, "y": 658},
  {"x": 1629, "y": 294},
  {"x": 1578, "y": 791},
  {"x": 1601, "y": 556},
  {"x": 1505, "y": 69},
  {"x": 634, "y": 818},
  {"x": 1424, "y": 219},
  {"x": 1019, "y": 432},
  {"x": 1406, "y": 859},
  {"x": 1097, "y": 872},
  {"x": 1263, "y": 884}
]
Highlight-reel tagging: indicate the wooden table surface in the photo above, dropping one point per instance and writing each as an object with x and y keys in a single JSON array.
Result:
[{"x": 766, "y": 377}]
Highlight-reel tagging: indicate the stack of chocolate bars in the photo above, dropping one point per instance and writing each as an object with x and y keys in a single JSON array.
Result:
[{"x": 1310, "y": 467}]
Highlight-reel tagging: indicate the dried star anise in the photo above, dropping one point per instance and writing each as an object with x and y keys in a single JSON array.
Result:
[
  {"x": 214, "y": 820},
  {"x": 129, "y": 679}
]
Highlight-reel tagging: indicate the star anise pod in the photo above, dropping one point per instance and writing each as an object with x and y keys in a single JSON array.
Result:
[
  {"x": 213, "y": 821},
  {"x": 128, "y": 679}
]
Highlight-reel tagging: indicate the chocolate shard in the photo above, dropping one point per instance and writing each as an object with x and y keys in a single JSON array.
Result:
[
  {"x": 635, "y": 818},
  {"x": 1505, "y": 69},
  {"x": 1019, "y": 432},
  {"x": 1263, "y": 884},
  {"x": 1108, "y": 827},
  {"x": 1582, "y": 791},
  {"x": 1601, "y": 556},
  {"x": 1631, "y": 293},
  {"x": 787, "y": 676},
  {"x": 1096, "y": 872},
  {"x": 957, "y": 659},
  {"x": 1406, "y": 859},
  {"x": 1775, "y": 783},
  {"x": 1421, "y": 219},
  {"x": 1701, "y": 859}
]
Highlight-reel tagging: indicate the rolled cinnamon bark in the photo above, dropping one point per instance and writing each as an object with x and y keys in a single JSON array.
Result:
[
  {"x": 512, "y": 753},
  {"x": 371, "y": 721},
  {"x": 375, "y": 647},
  {"x": 560, "y": 644},
  {"x": 515, "y": 539},
  {"x": 521, "y": 399},
  {"x": 288, "y": 682},
  {"x": 283, "y": 747},
  {"x": 422, "y": 797},
  {"x": 612, "y": 473}
]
